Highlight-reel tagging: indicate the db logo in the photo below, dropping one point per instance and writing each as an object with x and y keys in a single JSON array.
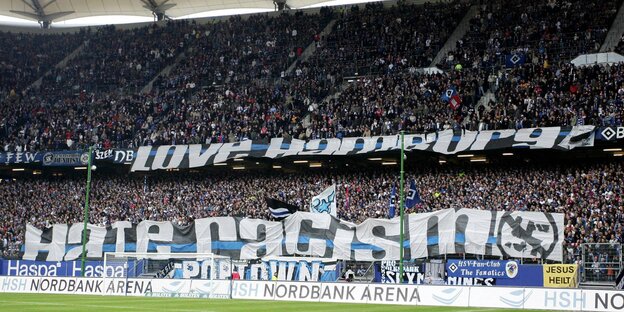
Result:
[
  {"x": 610, "y": 133},
  {"x": 117, "y": 156}
]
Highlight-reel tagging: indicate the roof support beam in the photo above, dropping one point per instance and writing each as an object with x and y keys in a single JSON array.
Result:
[
  {"x": 38, "y": 13},
  {"x": 158, "y": 9},
  {"x": 280, "y": 5}
]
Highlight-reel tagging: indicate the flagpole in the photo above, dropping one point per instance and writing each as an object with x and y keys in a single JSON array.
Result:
[
  {"x": 402, "y": 209},
  {"x": 86, "y": 215}
]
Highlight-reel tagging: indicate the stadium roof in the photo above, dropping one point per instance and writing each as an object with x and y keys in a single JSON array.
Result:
[{"x": 90, "y": 12}]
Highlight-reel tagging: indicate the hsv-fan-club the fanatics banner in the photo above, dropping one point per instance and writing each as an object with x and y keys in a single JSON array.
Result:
[
  {"x": 448, "y": 231},
  {"x": 444, "y": 142}
]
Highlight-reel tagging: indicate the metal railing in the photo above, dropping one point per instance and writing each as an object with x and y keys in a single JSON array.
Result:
[
  {"x": 363, "y": 271},
  {"x": 601, "y": 263}
]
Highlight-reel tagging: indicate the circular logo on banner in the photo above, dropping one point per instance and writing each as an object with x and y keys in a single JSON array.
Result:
[
  {"x": 84, "y": 158},
  {"x": 48, "y": 158},
  {"x": 517, "y": 237},
  {"x": 511, "y": 268}
]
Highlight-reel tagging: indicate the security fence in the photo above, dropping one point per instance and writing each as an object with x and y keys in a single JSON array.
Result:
[{"x": 601, "y": 263}]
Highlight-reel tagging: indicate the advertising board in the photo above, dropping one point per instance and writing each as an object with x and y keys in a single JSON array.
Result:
[
  {"x": 560, "y": 275},
  {"x": 494, "y": 272},
  {"x": 402, "y": 294},
  {"x": 67, "y": 268}
]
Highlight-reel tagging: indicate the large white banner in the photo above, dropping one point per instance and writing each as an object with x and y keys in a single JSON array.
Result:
[
  {"x": 443, "y": 142},
  {"x": 448, "y": 231}
]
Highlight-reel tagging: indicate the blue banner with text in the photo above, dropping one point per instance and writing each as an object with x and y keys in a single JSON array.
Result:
[{"x": 68, "y": 268}]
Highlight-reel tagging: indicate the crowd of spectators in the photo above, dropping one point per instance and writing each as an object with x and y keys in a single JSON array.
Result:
[
  {"x": 588, "y": 194},
  {"x": 546, "y": 32},
  {"x": 95, "y": 100},
  {"x": 565, "y": 95},
  {"x": 231, "y": 81},
  {"x": 527, "y": 96},
  {"x": 25, "y": 57},
  {"x": 375, "y": 40},
  {"x": 234, "y": 86},
  {"x": 119, "y": 58},
  {"x": 247, "y": 78},
  {"x": 545, "y": 90},
  {"x": 238, "y": 50}
]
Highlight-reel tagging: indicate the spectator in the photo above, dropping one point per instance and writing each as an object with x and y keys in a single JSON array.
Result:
[{"x": 349, "y": 275}]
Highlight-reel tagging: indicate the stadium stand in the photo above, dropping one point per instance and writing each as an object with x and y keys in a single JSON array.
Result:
[
  {"x": 588, "y": 194},
  {"x": 375, "y": 40},
  {"x": 229, "y": 81},
  {"x": 547, "y": 31},
  {"x": 114, "y": 59},
  {"x": 279, "y": 108},
  {"x": 240, "y": 50},
  {"x": 26, "y": 57}
]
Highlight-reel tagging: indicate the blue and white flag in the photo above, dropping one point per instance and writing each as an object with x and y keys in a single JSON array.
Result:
[
  {"x": 448, "y": 94},
  {"x": 513, "y": 60},
  {"x": 392, "y": 209},
  {"x": 325, "y": 202},
  {"x": 413, "y": 198}
]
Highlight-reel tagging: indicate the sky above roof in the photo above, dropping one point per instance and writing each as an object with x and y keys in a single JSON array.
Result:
[{"x": 108, "y": 12}]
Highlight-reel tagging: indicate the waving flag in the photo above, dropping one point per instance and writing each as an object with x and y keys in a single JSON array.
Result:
[
  {"x": 280, "y": 209},
  {"x": 448, "y": 94},
  {"x": 455, "y": 102},
  {"x": 513, "y": 60},
  {"x": 392, "y": 210},
  {"x": 325, "y": 202},
  {"x": 413, "y": 197}
]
